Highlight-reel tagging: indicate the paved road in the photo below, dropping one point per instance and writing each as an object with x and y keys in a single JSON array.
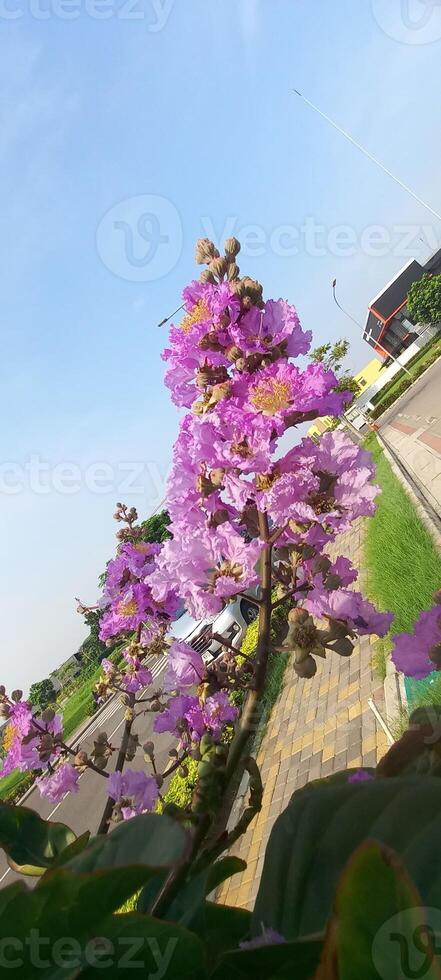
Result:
[
  {"x": 421, "y": 403},
  {"x": 82, "y": 811},
  {"x": 412, "y": 431}
]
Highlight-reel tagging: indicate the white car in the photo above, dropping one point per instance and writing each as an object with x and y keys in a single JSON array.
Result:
[{"x": 231, "y": 624}]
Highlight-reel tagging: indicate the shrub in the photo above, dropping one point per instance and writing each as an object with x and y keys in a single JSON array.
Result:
[{"x": 424, "y": 300}]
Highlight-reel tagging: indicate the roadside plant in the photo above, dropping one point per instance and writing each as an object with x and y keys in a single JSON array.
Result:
[
  {"x": 249, "y": 515},
  {"x": 424, "y": 299}
]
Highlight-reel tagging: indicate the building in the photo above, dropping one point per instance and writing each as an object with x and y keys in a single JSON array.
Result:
[
  {"x": 366, "y": 378},
  {"x": 389, "y": 326}
]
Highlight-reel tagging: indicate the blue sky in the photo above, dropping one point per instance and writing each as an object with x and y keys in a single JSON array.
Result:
[{"x": 123, "y": 138}]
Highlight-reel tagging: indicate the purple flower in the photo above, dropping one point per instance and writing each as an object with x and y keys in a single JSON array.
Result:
[
  {"x": 172, "y": 719},
  {"x": 268, "y": 937},
  {"x": 350, "y": 607},
  {"x": 411, "y": 652},
  {"x": 185, "y": 667},
  {"x": 360, "y": 776},
  {"x": 218, "y": 712},
  {"x": 137, "y": 676},
  {"x": 63, "y": 780},
  {"x": 135, "y": 790}
]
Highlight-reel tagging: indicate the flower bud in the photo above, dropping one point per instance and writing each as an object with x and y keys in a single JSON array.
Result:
[
  {"x": 298, "y": 615},
  {"x": 233, "y": 271},
  {"x": 322, "y": 564},
  {"x": 102, "y": 738},
  {"x": 2, "y": 690},
  {"x": 149, "y": 748},
  {"x": 17, "y": 696},
  {"x": 232, "y": 246},
  {"x": 205, "y": 251},
  {"x": 81, "y": 759},
  {"x": 306, "y": 668},
  {"x": 435, "y": 655},
  {"x": 48, "y": 715},
  {"x": 206, "y": 276},
  {"x": 219, "y": 267},
  {"x": 220, "y": 392}
]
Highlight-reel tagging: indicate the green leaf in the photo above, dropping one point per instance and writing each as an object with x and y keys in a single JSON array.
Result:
[
  {"x": 379, "y": 927},
  {"x": 189, "y": 903},
  {"x": 30, "y": 843},
  {"x": 151, "y": 839},
  {"x": 144, "y": 946},
  {"x": 63, "y": 905},
  {"x": 224, "y": 927},
  {"x": 297, "y": 960},
  {"x": 321, "y": 828},
  {"x": 72, "y": 850},
  {"x": 225, "y": 868}
]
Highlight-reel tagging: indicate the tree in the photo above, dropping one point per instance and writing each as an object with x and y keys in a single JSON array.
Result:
[
  {"x": 155, "y": 528},
  {"x": 42, "y": 693},
  {"x": 424, "y": 300},
  {"x": 331, "y": 356}
]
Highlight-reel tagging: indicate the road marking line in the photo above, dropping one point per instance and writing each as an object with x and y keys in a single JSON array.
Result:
[{"x": 159, "y": 668}]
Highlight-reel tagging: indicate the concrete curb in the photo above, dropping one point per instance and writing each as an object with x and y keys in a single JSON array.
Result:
[{"x": 395, "y": 696}]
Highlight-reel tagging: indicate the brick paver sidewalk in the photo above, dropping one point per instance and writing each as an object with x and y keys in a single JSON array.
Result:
[{"x": 317, "y": 727}]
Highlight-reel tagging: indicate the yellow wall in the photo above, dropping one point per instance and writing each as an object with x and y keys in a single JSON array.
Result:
[{"x": 368, "y": 374}]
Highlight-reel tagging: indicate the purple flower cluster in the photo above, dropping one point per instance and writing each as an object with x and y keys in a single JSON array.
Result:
[
  {"x": 127, "y": 598},
  {"x": 418, "y": 653}
]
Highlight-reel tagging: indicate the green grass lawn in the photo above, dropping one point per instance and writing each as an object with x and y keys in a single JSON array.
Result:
[
  {"x": 403, "y": 565},
  {"x": 417, "y": 365}
]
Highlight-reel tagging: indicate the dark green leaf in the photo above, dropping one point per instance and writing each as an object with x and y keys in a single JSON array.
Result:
[
  {"x": 291, "y": 960},
  {"x": 31, "y": 844},
  {"x": 63, "y": 905},
  {"x": 72, "y": 850},
  {"x": 225, "y": 868},
  {"x": 323, "y": 825},
  {"x": 379, "y": 927},
  {"x": 224, "y": 927},
  {"x": 152, "y": 839},
  {"x": 146, "y": 947}
]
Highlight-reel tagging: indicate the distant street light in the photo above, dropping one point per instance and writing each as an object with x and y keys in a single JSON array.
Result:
[{"x": 359, "y": 325}]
